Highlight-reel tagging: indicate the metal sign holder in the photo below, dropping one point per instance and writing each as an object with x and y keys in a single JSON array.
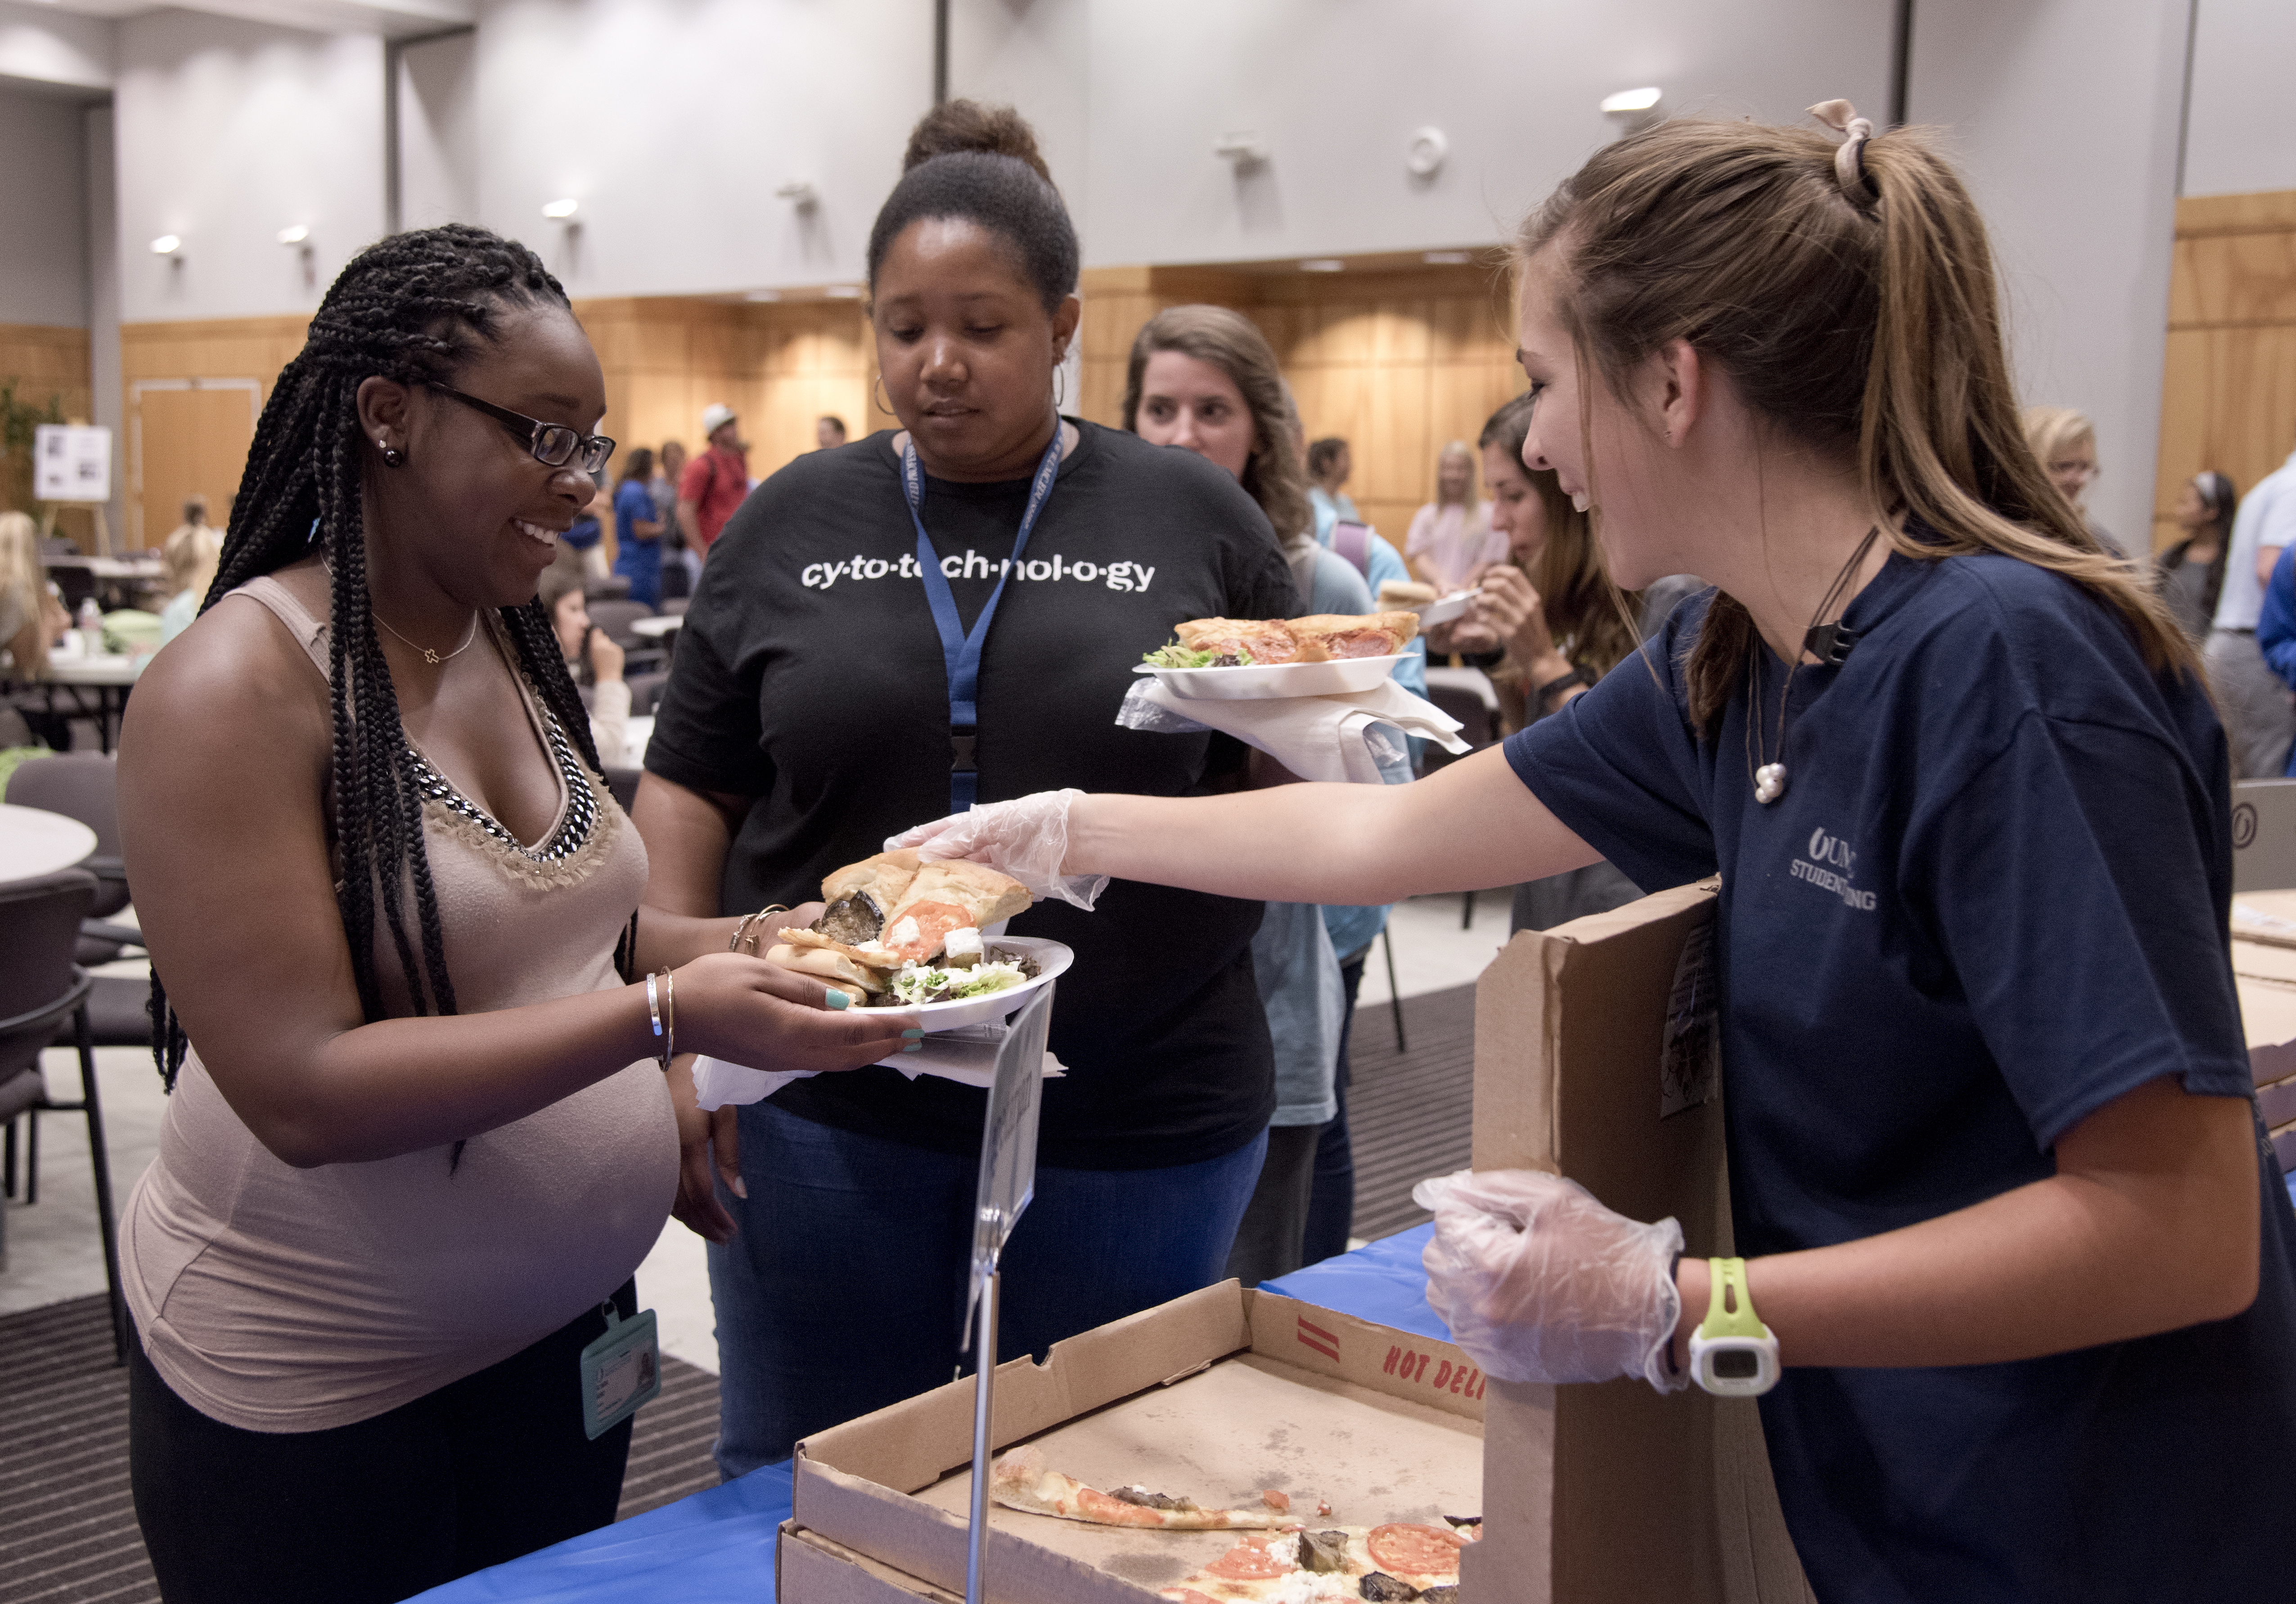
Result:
[{"x": 1008, "y": 1180}]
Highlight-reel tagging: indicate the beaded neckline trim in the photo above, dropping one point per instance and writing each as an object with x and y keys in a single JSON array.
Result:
[{"x": 574, "y": 829}]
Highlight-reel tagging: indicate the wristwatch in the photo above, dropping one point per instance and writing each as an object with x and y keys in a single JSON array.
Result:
[{"x": 1732, "y": 1355}]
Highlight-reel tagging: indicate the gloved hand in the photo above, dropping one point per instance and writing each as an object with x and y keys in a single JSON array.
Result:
[
  {"x": 1026, "y": 837},
  {"x": 1539, "y": 1282}
]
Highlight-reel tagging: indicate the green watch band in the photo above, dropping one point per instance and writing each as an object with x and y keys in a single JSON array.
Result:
[{"x": 1726, "y": 1287}]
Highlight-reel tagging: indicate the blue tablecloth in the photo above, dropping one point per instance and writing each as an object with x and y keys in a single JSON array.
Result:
[{"x": 718, "y": 1545}]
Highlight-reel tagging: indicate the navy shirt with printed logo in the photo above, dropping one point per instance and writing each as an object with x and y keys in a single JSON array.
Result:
[
  {"x": 809, "y": 676},
  {"x": 1992, "y": 899}
]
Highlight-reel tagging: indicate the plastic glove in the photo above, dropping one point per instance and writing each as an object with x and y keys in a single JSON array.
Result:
[
  {"x": 1539, "y": 1282},
  {"x": 1026, "y": 837}
]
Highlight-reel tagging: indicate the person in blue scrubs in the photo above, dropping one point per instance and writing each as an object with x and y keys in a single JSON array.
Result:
[
  {"x": 637, "y": 530},
  {"x": 1997, "y": 1171}
]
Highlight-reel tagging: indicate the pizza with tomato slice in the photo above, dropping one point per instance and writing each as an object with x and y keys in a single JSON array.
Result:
[{"x": 1288, "y": 1560}]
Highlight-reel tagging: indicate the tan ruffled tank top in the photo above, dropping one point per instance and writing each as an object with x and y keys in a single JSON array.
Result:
[{"x": 282, "y": 1299}]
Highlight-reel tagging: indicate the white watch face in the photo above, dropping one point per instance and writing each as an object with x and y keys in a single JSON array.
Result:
[{"x": 1734, "y": 1367}]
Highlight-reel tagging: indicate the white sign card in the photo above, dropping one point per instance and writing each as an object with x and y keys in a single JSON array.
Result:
[{"x": 71, "y": 462}]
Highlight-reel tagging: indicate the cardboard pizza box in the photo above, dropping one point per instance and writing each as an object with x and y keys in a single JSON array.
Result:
[
  {"x": 1596, "y": 1057},
  {"x": 1214, "y": 1396}
]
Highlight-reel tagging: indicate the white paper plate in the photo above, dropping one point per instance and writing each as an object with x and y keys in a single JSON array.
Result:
[
  {"x": 1052, "y": 959},
  {"x": 1453, "y": 606},
  {"x": 1263, "y": 682}
]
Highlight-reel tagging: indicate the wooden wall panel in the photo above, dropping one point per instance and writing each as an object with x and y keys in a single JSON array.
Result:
[
  {"x": 2228, "y": 389},
  {"x": 43, "y": 362},
  {"x": 1397, "y": 363},
  {"x": 230, "y": 363}
]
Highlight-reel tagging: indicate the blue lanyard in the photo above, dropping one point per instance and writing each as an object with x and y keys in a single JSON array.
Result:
[{"x": 960, "y": 651}]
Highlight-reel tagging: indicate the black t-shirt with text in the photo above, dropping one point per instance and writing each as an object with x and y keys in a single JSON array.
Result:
[{"x": 809, "y": 678}]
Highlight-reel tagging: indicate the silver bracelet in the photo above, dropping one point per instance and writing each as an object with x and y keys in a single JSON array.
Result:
[
  {"x": 670, "y": 1017},
  {"x": 654, "y": 1005}
]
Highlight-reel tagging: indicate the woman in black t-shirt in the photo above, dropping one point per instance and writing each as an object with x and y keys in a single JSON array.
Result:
[{"x": 809, "y": 716}]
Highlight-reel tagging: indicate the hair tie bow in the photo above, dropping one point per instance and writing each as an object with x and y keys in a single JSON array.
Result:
[{"x": 1849, "y": 158}]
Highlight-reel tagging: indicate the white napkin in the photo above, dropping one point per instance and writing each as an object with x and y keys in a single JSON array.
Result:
[
  {"x": 967, "y": 1054},
  {"x": 1316, "y": 737}
]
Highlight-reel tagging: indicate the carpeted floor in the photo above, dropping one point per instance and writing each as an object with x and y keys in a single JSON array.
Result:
[
  {"x": 67, "y": 1530},
  {"x": 67, "y": 1526},
  {"x": 1410, "y": 1115}
]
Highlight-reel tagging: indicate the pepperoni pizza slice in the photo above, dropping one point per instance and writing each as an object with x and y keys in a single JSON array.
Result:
[{"x": 1021, "y": 1481}]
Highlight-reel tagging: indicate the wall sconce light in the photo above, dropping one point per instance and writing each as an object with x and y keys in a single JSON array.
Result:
[
  {"x": 762, "y": 295},
  {"x": 1448, "y": 258},
  {"x": 561, "y": 211},
  {"x": 800, "y": 193},
  {"x": 1242, "y": 151},
  {"x": 843, "y": 292},
  {"x": 1322, "y": 264},
  {"x": 1424, "y": 156},
  {"x": 167, "y": 245},
  {"x": 296, "y": 233},
  {"x": 1634, "y": 108}
]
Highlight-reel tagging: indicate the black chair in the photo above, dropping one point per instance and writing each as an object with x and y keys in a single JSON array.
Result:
[
  {"x": 84, "y": 785},
  {"x": 611, "y": 587},
  {"x": 40, "y": 987},
  {"x": 645, "y": 691},
  {"x": 1478, "y": 727},
  {"x": 674, "y": 606},
  {"x": 615, "y": 616}
]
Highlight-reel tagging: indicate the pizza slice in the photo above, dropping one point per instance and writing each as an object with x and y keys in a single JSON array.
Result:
[
  {"x": 1324, "y": 636},
  {"x": 1020, "y": 1480},
  {"x": 1399, "y": 1561}
]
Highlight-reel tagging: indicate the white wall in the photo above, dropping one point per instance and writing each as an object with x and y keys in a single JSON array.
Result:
[
  {"x": 2064, "y": 114},
  {"x": 43, "y": 203},
  {"x": 104, "y": 297},
  {"x": 438, "y": 92},
  {"x": 672, "y": 121},
  {"x": 1337, "y": 87},
  {"x": 228, "y": 132},
  {"x": 2242, "y": 135},
  {"x": 45, "y": 45}
]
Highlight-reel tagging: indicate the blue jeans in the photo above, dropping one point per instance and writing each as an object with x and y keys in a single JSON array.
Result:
[{"x": 844, "y": 1289}]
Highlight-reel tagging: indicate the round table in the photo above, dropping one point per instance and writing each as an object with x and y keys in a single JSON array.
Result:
[
  {"x": 658, "y": 627},
  {"x": 33, "y": 842}
]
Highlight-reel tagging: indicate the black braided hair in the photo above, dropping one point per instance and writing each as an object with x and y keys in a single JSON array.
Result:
[{"x": 412, "y": 307}]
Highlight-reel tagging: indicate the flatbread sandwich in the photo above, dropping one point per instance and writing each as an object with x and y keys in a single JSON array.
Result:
[{"x": 899, "y": 932}]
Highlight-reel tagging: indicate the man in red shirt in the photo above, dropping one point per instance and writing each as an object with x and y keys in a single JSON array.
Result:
[{"x": 716, "y": 482}]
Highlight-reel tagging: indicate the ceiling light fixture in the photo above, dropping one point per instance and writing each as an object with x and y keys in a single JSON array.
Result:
[
  {"x": 167, "y": 245},
  {"x": 1322, "y": 264},
  {"x": 1424, "y": 156},
  {"x": 1628, "y": 102},
  {"x": 295, "y": 234},
  {"x": 560, "y": 210},
  {"x": 1448, "y": 258}
]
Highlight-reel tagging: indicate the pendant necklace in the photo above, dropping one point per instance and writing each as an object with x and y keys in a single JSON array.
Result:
[
  {"x": 433, "y": 657},
  {"x": 1830, "y": 645}
]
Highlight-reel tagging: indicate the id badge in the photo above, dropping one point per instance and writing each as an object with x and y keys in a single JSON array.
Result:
[{"x": 621, "y": 1370}]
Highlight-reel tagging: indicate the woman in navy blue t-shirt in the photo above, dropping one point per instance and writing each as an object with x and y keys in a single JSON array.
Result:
[{"x": 1996, "y": 1172}]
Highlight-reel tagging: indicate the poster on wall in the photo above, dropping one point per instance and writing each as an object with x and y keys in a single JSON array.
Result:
[{"x": 71, "y": 462}]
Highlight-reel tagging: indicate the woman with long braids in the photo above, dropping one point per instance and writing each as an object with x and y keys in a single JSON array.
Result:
[
  {"x": 419, "y": 1140},
  {"x": 2018, "y": 1284}
]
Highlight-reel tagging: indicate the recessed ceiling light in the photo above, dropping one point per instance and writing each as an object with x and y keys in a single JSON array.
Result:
[
  {"x": 166, "y": 245},
  {"x": 843, "y": 292},
  {"x": 295, "y": 234},
  {"x": 558, "y": 211},
  {"x": 1322, "y": 264},
  {"x": 762, "y": 295},
  {"x": 1449, "y": 258},
  {"x": 1630, "y": 100}
]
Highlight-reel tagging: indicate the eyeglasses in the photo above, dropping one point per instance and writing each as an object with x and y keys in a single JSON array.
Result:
[
  {"x": 553, "y": 445},
  {"x": 2073, "y": 468}
]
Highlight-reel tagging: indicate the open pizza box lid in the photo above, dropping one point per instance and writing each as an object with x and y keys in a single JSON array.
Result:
[
  {"x": 1214, "y": 1396},
  {"x": 1596, "y": 1058}
]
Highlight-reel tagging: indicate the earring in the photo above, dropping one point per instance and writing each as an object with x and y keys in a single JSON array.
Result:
[
  {"x": 392, "y": 457},
  {"x": 877, "y": 393},
  {"x": 1059, "y": 386}
]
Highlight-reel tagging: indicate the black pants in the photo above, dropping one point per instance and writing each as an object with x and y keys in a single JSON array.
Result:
[{"x": 482, "y": 1470}]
